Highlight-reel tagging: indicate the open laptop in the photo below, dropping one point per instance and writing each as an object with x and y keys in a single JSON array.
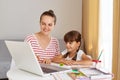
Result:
[{"x": 25, "y": 59}]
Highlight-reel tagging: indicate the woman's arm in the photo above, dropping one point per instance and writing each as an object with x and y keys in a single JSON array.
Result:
[{"x": 58, "y": 59}]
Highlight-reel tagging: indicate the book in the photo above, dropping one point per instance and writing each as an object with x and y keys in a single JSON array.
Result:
[
  {"x": 77, "y": 75},
  {"x": 96, "y": 74}
]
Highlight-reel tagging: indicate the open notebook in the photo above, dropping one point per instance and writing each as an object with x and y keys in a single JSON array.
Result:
[{"x": 26, "y": 60}]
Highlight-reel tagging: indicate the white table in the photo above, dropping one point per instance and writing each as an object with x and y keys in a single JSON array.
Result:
[{"x": 16, "y": 74}]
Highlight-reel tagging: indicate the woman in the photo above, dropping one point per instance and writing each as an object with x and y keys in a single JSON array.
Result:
[{"x": 44, "y": 46}]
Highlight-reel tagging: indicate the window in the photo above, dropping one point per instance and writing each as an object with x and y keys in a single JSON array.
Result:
[{"x": 105, "y": 32}]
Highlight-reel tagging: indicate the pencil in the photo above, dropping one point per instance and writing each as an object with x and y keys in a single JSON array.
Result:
[{"x": 100, "y": 54}]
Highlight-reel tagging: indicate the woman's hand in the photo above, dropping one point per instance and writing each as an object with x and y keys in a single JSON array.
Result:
[
  {"x": 38, "y": 58},
  {"x": 46, "y": 61}
]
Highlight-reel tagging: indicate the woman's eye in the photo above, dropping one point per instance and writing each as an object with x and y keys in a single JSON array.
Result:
[
  {"x": 50, "y": 25},
  {"x": 43, "y": 23}
]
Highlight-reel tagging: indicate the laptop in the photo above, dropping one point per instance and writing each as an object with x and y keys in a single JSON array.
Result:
[{"x": 26, "y": 60}]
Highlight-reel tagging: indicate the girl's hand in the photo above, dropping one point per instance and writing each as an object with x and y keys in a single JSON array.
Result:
[
  {"x": 68, "y": 62},
  {"x": 46, "y": 61},
  {"x": 75, "y": 63}
]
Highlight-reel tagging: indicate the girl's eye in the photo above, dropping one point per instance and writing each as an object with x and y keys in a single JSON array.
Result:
[{"x": 70, "y": 42}]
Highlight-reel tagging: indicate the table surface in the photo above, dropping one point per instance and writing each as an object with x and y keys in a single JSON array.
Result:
[{"x": 16, "y": 74}]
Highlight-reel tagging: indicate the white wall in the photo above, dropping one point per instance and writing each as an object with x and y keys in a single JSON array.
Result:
[{"x": 21, "y": 17}]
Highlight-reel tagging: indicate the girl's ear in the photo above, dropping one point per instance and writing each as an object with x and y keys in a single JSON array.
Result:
[{"x": 78, "y": 43}]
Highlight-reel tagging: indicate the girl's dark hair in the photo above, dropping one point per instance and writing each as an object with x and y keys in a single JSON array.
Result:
[
  {"x": 70, "y": 37},
  {"x": 48, "y": 13}
]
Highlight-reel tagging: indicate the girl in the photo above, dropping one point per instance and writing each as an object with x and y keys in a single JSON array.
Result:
[{"x": 72, "y": 54}]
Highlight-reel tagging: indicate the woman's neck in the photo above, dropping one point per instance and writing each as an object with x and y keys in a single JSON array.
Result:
[{"x": 43, "y": 35}]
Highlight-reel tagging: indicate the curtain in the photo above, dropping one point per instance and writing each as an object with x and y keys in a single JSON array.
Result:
[
  {"x": 90, "y": 26},
  {"x": 116, "y": 40}
]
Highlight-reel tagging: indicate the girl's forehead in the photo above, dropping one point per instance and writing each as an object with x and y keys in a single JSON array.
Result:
[{"x": 71, "y": 41}]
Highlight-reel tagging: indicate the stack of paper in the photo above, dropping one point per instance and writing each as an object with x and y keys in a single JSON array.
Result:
[
  {"x": 73, "y": 66},
  {"x": 61, "y": 75},
  {"x": 96, "y": 74}
]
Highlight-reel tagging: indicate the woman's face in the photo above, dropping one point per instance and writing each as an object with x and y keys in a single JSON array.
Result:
[
  {"x": 72, "y": 46},
  {"x": 47, "y": 24}
]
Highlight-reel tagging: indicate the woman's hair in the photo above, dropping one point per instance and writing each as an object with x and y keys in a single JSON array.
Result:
[
  {"x": 70, "y": 37},
  {"x": 48, "y": 13}
]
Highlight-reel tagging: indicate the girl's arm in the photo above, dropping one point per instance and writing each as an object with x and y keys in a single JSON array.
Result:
[
  {"x": 85, "y": 60},
  {"x": 60, "y": 59},
  {"x": 85, "y": 57}
]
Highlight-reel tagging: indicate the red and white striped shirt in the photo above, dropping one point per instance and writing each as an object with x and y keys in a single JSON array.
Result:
[{"x": 51, "y": 50}]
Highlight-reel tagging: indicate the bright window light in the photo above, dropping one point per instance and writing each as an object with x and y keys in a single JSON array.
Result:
[{"x": 105, "y": 32}]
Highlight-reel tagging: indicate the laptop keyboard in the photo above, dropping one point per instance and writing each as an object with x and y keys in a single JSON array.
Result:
[{"x": 48, "y": 70}]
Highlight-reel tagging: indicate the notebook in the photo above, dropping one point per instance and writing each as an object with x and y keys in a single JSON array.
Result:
[{"x": 26, "y": 60}]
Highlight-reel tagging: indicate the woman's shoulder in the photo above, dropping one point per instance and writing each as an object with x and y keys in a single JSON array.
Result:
[
  {"x": 54, "y": 39},
  {"x": 29, "y": 37}
]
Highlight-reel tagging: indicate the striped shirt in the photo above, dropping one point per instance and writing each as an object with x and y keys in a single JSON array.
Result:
[{"x": 51, "y": 50}]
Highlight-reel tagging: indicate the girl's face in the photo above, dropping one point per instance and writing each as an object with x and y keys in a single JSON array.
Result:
[
  {"x": 47, "y": 24},
  {"x": 72, "y": 46}
]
